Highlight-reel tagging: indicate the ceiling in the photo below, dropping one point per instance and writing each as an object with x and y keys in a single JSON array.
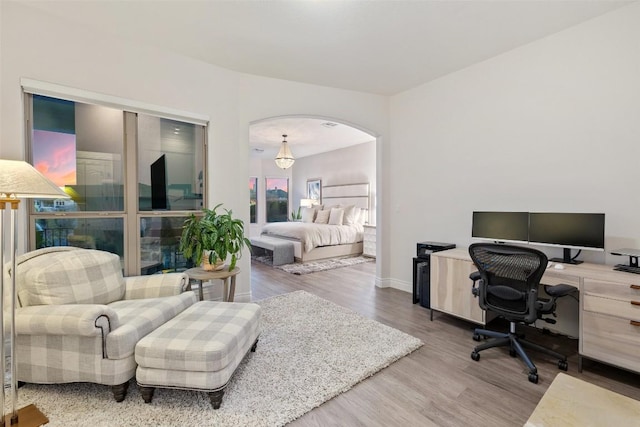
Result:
[
  {"x": 382, "y": 47},
  {"x": 305, "y": 136},
  {"x": 375, "y": 46}
]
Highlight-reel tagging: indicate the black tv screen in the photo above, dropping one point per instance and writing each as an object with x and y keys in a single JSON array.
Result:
[
  {"x": 575, "y": 230},
  {"x": 159, "y": 183},
  {"x": 501, "y": 226}
]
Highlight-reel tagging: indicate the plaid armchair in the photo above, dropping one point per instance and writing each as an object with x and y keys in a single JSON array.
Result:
[{"x": 78, "y": 319}]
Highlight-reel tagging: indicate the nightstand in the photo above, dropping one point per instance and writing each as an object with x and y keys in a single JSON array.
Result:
[{"x": 369, "y": 241}]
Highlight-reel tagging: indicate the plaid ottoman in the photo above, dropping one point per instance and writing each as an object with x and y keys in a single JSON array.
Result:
[{"x": 199, "y": 349}]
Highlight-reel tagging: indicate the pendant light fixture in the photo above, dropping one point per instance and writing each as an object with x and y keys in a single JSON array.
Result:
[{"x": 284, "y": 159}]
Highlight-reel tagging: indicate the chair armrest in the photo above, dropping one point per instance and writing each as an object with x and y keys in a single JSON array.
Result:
[
  {"x": 67, "y": 319},
  {"x": 557, "y": 291},
  {"x": 475, "y": 276},
  {"x": 155, "y": 285}
]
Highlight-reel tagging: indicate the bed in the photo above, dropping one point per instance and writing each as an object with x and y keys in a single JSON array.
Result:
[{"x": 313, "y": 241}]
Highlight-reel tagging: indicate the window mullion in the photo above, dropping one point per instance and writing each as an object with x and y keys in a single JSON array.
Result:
[{"x": 132, "y": 239}]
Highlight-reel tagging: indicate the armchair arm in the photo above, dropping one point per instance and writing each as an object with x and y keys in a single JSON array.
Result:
[
  {"x": 68, "y": 319},
  {"x": 155, "y": 285}
]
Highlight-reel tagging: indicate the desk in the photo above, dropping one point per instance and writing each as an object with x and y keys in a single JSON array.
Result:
[
  {"x": 608, "y": 312},
  {"x": 570, "y": 402},
  {"x": 198, "y": 273}
]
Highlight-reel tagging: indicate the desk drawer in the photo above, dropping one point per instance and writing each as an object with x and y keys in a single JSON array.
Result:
[
  {"x": 611, "y": 339},
  {"x": 622, "y": 308},
  {"x": 612, "y": 289}
]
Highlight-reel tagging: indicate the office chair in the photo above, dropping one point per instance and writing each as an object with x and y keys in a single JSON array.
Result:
[{"x": 508, "y": 278}]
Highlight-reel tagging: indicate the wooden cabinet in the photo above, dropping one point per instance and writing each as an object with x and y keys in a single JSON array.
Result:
[
  {"x": 451, "y": 286},
  {"x": 610, "y": 322},
  {"x": 369, "y": 241}
]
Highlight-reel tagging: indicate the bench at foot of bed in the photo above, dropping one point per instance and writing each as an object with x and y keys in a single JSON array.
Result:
[{"x": 281, "y": 251}]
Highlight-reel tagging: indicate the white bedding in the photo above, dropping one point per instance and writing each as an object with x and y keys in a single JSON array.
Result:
[{"x": 312, "y": 235}]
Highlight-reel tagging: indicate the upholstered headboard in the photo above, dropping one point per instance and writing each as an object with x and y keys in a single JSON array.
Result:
[{"x": 357, "y": 194}]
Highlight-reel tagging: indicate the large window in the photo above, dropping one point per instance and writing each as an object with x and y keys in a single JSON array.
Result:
[
  {"x": 277, "y": 199},
  {"x": 88, "y": 150}
]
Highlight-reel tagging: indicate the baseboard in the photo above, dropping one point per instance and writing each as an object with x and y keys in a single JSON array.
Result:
[
  {"x": 395, "y": 284},
  {"x": 242, "y": 297},
  {"x": 213, "y": 292}
]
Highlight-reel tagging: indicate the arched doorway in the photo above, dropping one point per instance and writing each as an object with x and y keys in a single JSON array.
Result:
[{"x": 330, "y": 150}]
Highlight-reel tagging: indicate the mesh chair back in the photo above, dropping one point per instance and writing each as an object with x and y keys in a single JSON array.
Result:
[{"x": 509, "y": 279}]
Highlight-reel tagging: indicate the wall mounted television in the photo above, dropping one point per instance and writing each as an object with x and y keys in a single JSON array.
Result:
[
  {"x": 501, "y": 226},
  {"x": 568, "y": 231}
]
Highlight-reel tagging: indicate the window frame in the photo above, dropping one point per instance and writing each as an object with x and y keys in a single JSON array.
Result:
[{"x": 131, "y": 215}]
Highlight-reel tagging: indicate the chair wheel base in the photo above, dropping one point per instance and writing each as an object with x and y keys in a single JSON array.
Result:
[
  {"x": 533, "y": 378},
  {"x": 563, "y": 365},
  {"x": 475, "y": 356}
]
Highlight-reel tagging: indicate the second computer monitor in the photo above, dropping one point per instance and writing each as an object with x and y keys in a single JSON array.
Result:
[{"x": 567, "y": 230}]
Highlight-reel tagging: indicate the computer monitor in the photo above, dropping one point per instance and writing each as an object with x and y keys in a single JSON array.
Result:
[
  {"x": 501, "y": 226},
  {"x": 568, "y": 231}
]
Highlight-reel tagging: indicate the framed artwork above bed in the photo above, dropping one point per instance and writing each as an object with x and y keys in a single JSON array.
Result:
[{"x": 314, "y": 189}]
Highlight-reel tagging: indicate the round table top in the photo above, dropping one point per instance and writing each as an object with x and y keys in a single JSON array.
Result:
[{"x": 198, "y": 273}]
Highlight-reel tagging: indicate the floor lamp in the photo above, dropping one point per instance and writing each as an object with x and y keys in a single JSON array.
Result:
[{"x": 18, "y": 180}]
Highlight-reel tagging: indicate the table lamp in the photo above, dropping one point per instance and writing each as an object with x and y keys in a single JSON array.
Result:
[{"x": 18, "y": 180}]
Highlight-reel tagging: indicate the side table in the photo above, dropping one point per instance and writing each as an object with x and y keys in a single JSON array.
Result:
[{"x": 198, "y": 273}]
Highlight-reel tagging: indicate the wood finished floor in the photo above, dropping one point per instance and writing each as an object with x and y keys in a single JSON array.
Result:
[{"x": 439, "y": 384}]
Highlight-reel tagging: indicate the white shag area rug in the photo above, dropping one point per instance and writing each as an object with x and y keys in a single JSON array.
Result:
[
  {"x": 325, "y": 264},
  {"x": 310, "y": 350}
]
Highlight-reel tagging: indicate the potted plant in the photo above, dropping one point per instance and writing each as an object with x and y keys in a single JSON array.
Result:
[
  {"x": 211, "y": 238},
  {"x": 296, "y": 216}
]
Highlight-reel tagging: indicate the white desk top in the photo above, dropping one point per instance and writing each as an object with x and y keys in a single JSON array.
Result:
[{"x": 586, "y": 269}]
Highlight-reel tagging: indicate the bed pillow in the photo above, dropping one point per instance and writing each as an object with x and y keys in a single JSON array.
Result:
[
  {"x": 322, "y": 217},
  {"x": 335, "y": 216},
  {"x": 362, "y": 219},
  {"x": 308, "y": 214},
  {"x": 358, "y": 215},
  {"x": 349, "y": 215}
]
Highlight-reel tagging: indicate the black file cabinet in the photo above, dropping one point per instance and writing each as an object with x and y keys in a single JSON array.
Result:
[{"x": 422, "y": 270}]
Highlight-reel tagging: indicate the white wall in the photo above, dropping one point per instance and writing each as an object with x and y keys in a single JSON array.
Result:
[
  {"x": 348, "y": 165},
  {"x": 551, "y": 126},
  {"x": 64, "y": 53}
]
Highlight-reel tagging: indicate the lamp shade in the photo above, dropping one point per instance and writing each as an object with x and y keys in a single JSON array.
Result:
[
  {"x": 20, "y": 180},
  {"x": 284, "y": 159}
]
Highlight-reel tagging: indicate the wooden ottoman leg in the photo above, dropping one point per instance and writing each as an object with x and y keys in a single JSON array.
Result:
[
  {"x": 147, "y": 393},
  {"x": 216, "y": 398},
  {"x": 120, "y": 391}
]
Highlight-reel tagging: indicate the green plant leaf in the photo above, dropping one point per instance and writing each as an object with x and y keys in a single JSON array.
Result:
[{"x": 219, "y": 233}]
